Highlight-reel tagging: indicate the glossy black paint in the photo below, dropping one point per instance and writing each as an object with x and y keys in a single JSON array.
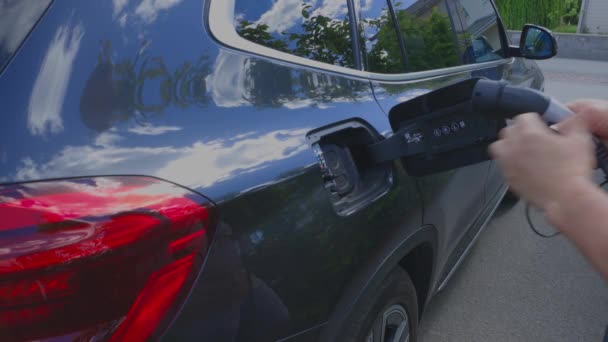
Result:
[{"x": 104, "y": 89}]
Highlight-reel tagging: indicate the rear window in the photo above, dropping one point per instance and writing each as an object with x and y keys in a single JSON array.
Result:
[
  {"x": 17, "y": 18},
  {"x": 317, "y": 30}
]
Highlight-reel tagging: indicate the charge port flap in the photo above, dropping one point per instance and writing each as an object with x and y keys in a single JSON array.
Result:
[{"x": 350, "y": 177}]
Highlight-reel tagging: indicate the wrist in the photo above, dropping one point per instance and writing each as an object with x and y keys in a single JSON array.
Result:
[{"x": 569, "y": 201}]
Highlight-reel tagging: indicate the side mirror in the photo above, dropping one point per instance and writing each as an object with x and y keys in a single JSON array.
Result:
[{"x": 536, "y": 42}]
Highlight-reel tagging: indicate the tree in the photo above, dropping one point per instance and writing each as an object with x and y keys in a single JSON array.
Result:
[
  {"x": 258, "y": 33},
  {"x": 324, "y": 39},
  {"x": 114, "y": 90},
  {"x": 429, "y": 43},
  {"x": 385, "y": 55}
]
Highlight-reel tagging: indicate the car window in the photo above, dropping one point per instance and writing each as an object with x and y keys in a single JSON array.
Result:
[
  {"x": 428, "y": 31},
  {"x": 17, "y": 18},
  {"x": 379, "y": 39},
  {"x": 477, "y": 30},
  {"x": 317, "y": 30}
]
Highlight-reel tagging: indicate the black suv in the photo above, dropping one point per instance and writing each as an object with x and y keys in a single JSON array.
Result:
[{"x": 163, "y": 166}]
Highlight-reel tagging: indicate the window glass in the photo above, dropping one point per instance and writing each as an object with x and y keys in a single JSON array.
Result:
[
  {"x": 379, "y": 39},
  {"x": 429, "y": 34},
  {"x": 314, "y": 29},
  {"x": 477, "y": 30},
  {"x": 17, "y": 18}
]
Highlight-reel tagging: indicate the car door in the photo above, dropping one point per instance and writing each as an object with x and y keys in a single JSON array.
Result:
[
  {"x": 480, "y": 21},
  {"x": 286, "y": 249},
  {"x": 432, "y": 38}
]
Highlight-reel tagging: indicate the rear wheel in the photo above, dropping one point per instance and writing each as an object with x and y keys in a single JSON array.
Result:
[
  {"x": 390, "y": 314},
  {"x": 392, "y": 325}
]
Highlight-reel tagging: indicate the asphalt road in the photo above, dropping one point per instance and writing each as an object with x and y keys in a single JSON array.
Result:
[{"x": 515, "y": 286}]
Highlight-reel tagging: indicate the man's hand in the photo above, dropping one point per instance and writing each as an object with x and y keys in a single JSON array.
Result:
[
  {"x": 553, "y": 171},
  {"x": 594, "y": 113},
  {"x": 541, "y": 165}
]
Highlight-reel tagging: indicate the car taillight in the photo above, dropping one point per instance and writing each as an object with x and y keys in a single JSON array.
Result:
[{"x": 109, "y": 258}]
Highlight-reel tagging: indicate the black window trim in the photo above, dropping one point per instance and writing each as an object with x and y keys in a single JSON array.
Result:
[
  {"x": 220, "y": 27},
  {"x": 391, "y": 9},
  {"x": 5, "y": 65},
  {"x": 504, "y": 40},
  {"x": 454, "y": 34},
  {"x": 354, "y": 34}
]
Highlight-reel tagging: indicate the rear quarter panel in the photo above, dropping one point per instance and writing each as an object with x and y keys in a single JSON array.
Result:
[{"x": 107, "y": 88}]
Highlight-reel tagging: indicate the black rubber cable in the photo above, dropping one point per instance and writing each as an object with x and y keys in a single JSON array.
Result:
[{"x": 533, "y": 227}]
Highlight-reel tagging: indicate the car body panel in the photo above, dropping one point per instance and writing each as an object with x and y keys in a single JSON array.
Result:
[
  {"x": 453, "y": 199},
  {"x": 104, "y": 88}
]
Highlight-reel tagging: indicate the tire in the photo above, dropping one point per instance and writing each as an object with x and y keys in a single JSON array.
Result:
[
  {"x": 510, "y": 197},
  {"x": 381, "y": 312}
]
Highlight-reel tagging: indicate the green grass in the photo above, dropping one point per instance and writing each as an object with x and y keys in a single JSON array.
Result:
[
  {"x": 565, "y": 29},
  {"x": 547, "y": 13}
]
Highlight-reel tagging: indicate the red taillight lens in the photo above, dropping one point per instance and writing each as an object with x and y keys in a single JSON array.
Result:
[{"x": 98, "y": 258}]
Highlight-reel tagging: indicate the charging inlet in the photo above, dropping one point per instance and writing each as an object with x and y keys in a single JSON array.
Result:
[{"x": 352, "y": 179}]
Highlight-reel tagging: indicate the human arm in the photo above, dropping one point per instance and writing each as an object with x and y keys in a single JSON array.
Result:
[{"x": 553, "y": 172}]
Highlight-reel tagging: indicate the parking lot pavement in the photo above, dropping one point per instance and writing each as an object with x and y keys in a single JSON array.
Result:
[
  {"x": 516, "y": 286},
  {"x": 570, "y": 79}
]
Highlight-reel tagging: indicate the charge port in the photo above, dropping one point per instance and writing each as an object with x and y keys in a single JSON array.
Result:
[{"x": 352, "y": 180}]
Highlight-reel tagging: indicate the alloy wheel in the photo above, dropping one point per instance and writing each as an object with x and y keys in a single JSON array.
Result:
[{"x": 391, "y": 325}]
